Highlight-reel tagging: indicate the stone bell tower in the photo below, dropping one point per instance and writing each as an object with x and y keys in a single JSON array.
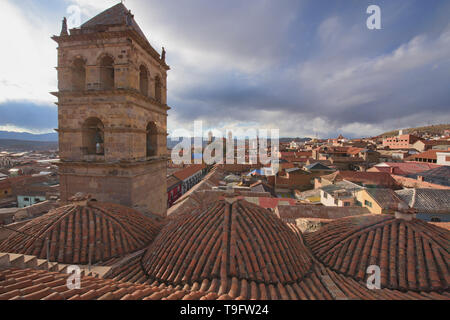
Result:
[{"x": 112, "y": 113}]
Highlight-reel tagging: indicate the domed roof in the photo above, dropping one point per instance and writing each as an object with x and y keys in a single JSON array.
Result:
[
  {"x": 231, "y": 239},
  {"x": 107, "y": 230},
  {"x": 412, "y": 255}
]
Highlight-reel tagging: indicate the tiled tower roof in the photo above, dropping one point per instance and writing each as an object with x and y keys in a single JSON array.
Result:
[
  {"x": 116, "y": 15},
  {"x": 412, "y": 255},
  {"x": 108, "y": 230},
  {"x": 231, "y": 240}
]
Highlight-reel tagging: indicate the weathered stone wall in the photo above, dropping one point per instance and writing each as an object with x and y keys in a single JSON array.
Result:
[
  {"x": 142, "y": 186},
  {"x": 127, "y": 56},
  {"x": 123, "y": 174},
  {"x": 125, "y": 119}
]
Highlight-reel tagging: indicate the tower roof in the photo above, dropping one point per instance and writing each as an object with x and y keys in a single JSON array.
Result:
[
  {"x": 109, "y": 230},
  {"x": 412, "y": 255},
  {"x": 116, "y": 15},
  {"x": 231, "y": 239}
]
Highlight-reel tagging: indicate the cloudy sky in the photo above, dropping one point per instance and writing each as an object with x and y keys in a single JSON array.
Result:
[{"x": 306, "y": 67}]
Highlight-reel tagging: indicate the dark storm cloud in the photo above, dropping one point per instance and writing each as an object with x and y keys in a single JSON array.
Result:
[
  {"x": 331, "y": 67},
  {"x": 28, "y": 115},
  {"x": 303, "y": 66}
]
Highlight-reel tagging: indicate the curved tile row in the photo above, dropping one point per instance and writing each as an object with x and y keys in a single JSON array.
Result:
[
  {"x": 227, "y": 240},
  {"x": 412, "y": 255},
  {"x": 99, "y": 230}
]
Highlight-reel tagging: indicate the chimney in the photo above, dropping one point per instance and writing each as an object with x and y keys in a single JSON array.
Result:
[
  {"x": 391, "y": 170},
  {"x": 420, "y": 178}
]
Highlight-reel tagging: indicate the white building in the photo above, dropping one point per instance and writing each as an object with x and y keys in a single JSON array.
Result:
[{"x": 443, "y": 158}]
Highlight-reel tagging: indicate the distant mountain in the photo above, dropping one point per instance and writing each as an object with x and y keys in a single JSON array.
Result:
[
  {"x": 24, "y": 145},
  {"x": 28, "y": 136},
  {"x": 433, "y": 129}
]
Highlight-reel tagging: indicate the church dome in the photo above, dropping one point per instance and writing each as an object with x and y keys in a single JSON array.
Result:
[
  {"x": 412, "y": 255},
  {"x": 230, "y": 240},
  {"x": 106, "y": 230}
]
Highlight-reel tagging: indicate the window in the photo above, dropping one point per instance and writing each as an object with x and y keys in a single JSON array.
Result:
[
  {"x": 79, "y": 75},
  {"x": 26, "y": 199},
  {"x": 368, "y": 203},
  {"x": 435, "y": 219},
  {"x": 346, "y": 204},
  {"x": 143, "y": 80},
  {"x": 107, "y": 73},
  {"x": 152, "y": 139},
  {"x": 93, "y": 137},
  {"x": 158, "y": 89}
]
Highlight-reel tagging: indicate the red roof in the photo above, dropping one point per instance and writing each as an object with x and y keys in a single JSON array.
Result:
[
  {"x": 412, "y": 255},
  {"x": 225, "y": 241},
  {"x": 383, "y": 179},
  {"x": 110, "y": 229},
  {"x": 403, "y": 168},
  {"x": 301, "y": 211},
  {"x": 354, "y": 151},
  {"x": 414, "y": 183},
  {"x": 187, "y": 172},
  {"x": 430, "y": 154},
  {"x": 28, "y": 284},
  {"x": 270, "y": 203}
]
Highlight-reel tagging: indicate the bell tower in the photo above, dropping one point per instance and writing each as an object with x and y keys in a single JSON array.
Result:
[{"x": 112, "y": 113}]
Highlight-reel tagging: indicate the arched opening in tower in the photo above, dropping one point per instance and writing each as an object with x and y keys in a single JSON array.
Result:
[
  {"x": 143, "y": 80},
  {"x": 107, "y": 73},
  {"x": 79, "y": 74},
  {"x": 158, "y": 89},
  {"x": 93, "y": 137},
  {"x": 152, "y": 139}
]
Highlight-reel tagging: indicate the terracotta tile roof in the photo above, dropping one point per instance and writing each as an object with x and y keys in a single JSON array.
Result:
[
  {"x": 129, "y": 283},
  {"x": 238, "y": 167},
  {"x": 439, "y": 175},
  {"x": 413, "y": 255},
  {"x": 321, "y": 283},
  {"x": 382, "y": 179},
  {"x": 426, "y": 200},
  {"x": 128, "y": 268},
  {"x": 226, "y": 241},
  {"x": 108, "y": 229},
  {"x": 444, "y": 225},
  {"x": 354, "y": 150},
  {"x": 172, "y": 181},
  {"x": 261, "y": 186},
  {"x": 386, "y": 198},
  {"x": 187, "y": 172},
  {"x": 28, "y": 284},
  {"x": 291, "y": 213},
  {"x": 115, "y": 15},
  {"x": 403, "y": 168},
  {"x": 202, "y": 198},
  {"x": 430, "y": 154},
  {"x": 414, "y": 183},
  {"x": 269, "y": 202}
]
